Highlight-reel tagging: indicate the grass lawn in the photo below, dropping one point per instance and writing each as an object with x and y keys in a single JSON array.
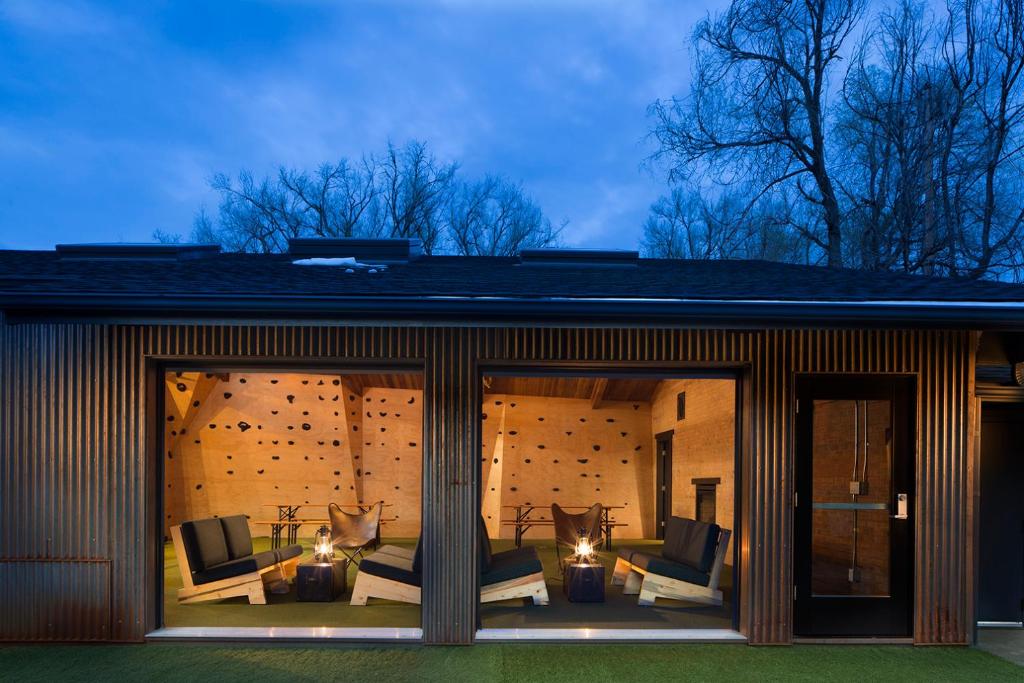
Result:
[{"x": 584, "y": 663}]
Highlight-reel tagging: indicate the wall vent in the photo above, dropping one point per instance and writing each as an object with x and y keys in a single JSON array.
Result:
[
  {"x": 134, "y": 251},
  {"x": 602, "y": 258},
  {"x": 382, "y": 251}
]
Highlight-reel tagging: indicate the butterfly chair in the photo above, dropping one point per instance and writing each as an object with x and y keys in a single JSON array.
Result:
[
  {"x": 354, "y": 532},
  {"x": 570, "y": 528}
]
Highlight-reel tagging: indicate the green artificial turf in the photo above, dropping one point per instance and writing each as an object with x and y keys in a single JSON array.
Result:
[{"x": 587, "y": 663}]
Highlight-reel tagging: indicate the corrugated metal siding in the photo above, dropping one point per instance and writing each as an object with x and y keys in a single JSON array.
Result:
[
  {"x": 450, "y": 488},
  {"x": 74, "y": 465}
]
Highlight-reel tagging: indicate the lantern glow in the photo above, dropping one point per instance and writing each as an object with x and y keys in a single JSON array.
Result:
[
  {"x": 323, "y": 549},
  {"x": 584, "y": 550}
]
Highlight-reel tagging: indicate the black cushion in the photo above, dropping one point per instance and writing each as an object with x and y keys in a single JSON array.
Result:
[
  {"x": 512, "y": 565},
  {"x": 417, "y": 557},
  {"x": 673, "y": 570},
  {"x": 690, "y": 542},
  {"x": 485, "y": 546},
  {"x": 386, "y": 568},
  {"x": 204, "y": 543},
  {"x": 288, "y": 552},
  {"x": 236, "y": 533},
  {"x": 525, "y": 552},
  {"x": 232, "y": 568},
  {"x": 627, "y": 553}
]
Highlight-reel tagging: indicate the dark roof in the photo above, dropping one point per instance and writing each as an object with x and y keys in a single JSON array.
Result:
[{"x": 272, "y": 283}]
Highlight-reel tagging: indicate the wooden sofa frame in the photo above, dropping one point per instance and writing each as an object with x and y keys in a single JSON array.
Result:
[
  {"x": 635, "y": 580},
  {"x": 368, "y": 586},
  {"x": 251, "y": 585},
  {"x": 530, "y": 586}
]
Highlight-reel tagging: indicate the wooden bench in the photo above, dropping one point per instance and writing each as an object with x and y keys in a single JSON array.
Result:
[{"x": 250, "y": 584}]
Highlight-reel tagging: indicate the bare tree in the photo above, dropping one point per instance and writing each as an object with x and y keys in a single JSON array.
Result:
[
  {"x": 414, "y": 189},
  {"x": 685, "y": 224},
  {"x": 758, "y": 104},
  {"x": 335, "y": 199},
  {"x": 495, "y": 217},
  {"x": 931, "y": 132},
  {"x": 406, "y": 192}
]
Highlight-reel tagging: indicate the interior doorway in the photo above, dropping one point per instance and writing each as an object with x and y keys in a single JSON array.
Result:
[
  {"x": 663, "y": 489},
  {"x": 1001, "y": 524}
]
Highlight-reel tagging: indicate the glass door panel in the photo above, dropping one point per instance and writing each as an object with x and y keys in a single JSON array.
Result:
[{"x": 852, "y": 488}]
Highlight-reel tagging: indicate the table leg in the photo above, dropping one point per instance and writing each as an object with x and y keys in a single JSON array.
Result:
[{"x": 293, "y": 530}]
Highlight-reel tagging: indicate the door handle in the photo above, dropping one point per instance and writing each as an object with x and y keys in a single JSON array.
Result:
[{"x": 901, "y": 506}]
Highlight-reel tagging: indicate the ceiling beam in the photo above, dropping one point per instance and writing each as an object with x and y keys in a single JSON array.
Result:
[
  {"x": 352, "y": 384},
  {"x": 597, "y": 393}
]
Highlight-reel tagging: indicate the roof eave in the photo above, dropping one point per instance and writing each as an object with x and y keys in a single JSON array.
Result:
[{"x": 645, "y": 312}]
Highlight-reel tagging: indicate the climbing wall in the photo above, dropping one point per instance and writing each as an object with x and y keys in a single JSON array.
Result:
[
  {"x": 236, "y": 443},
  {"x": 560, "y": 450}
]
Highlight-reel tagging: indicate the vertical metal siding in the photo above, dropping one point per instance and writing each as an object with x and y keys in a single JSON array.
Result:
[{"x": 73, "y": 428}]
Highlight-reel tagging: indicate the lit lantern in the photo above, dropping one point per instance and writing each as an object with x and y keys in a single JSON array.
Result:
[
  {"x": 584, "y": 550},
  {"x": 323, "y": 549}
]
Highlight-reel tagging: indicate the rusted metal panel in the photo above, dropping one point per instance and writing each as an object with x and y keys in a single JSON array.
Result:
[
  {"x": 64, "y": 600},
  {"x": 75, "y": 426}
]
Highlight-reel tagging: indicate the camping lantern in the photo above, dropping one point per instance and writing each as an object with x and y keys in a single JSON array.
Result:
[
  {"x": 584, "y": 550},
  {"x": 323, "y": 549}
]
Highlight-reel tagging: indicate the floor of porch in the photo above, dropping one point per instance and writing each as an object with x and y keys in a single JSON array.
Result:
[{"x": 617, "y": 612}]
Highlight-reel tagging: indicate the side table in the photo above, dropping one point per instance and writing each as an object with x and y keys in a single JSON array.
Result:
[
  {"x": 583, "y": 582},
  {"x": 321, "y": 581}
]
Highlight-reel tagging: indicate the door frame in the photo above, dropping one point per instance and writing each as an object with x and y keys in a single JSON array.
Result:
[
  {"x": 739, "y": 373},
  {"x": 900, "y": 389},
  {"x": 663, "y": 481},
  {"x": 993, "y": 395},
  {"x": 156, "y": 369}
]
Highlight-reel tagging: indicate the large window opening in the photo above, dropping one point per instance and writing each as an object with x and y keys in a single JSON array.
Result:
[
  {"x": 640, "y": 467},
  {"x": 260, "y": 467}
]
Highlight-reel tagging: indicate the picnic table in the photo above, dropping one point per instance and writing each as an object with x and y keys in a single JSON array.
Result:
[
  {"x": 523, "y": 522},
  {"x": 287, "y": 520}
]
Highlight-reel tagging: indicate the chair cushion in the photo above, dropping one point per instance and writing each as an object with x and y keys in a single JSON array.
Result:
[
  {"x": 287, "y": 552},
  {"x": 526, "y": 552},
  {"x": 236, "y": 533},
  {"x": 390, "y": 567},
  {"x": 231, "y": 568},
  {"x": 485, "y": 546},
  {"x": 627, "y": 553},
  {"x": 512, "y": 565},
  {"x": 690, "y": 542},
  {"x": 204, "y": 542},
  {"x": 673, "y": 570},
  {"x": 417, "y": 557}
]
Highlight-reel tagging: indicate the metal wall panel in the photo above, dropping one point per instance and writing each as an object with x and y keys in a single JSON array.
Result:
[
  {"x": 73, "y": 433},
  {"x": 65, "y": 600}
]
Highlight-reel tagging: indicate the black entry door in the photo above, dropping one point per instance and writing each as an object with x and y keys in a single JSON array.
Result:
[
  {"x": 1001, "y": 528},
  {"x": 664, "y": 483},
  {"x": 854, "y": 506}
]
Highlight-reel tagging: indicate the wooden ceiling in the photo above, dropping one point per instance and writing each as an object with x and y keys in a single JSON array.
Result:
[
  {"x": 596, "y": 389},
  {"x": 383, "y": 380}
]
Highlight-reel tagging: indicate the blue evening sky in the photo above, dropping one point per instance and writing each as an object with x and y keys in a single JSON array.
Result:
[{"x": 113, "y": 116}]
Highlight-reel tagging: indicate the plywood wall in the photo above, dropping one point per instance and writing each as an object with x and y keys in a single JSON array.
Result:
[
  {"x": 236, "y": 443},
  {"x": 703, "y": 443},
  {"x": 559, "y": 450}
]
